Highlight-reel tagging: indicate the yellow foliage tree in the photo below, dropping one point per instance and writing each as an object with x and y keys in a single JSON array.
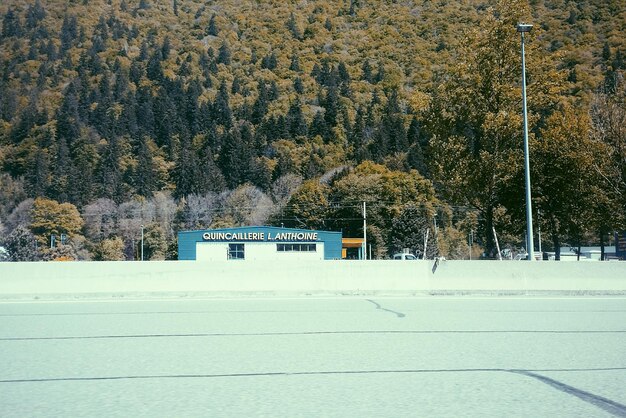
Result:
[{"x": 50, "y": 217}]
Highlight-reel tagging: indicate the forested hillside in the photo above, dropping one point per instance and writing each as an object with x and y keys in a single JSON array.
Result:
[{"x": 191, "y": 114}]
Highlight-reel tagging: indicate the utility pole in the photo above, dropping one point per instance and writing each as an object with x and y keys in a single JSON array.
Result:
[
  {"x": 425, "y": 243},
  {"x": 141, "y": 242},
  {"x": 497, "y": 245},
  {"x": 364, "y": 249},
  {"x": 523, "y": 28}
]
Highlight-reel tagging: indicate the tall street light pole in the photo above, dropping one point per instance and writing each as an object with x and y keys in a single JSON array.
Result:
[
  {"x": 364, "y": 249},
  {"x": 523, "y": 28}
]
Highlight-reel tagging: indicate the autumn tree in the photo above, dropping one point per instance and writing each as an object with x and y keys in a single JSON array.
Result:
[
  {"x": 568, "y": 174},
  {"x": 386, "y": 193},
  {"x": 475, "y": 115},
  {"x": 50, "y": 217},
  {"x": 608, "y": 127},
  {"x": 307, "y": 208},
  {"x": 111, "y": 249},
  {"x": 453, "y": 244},
  {"x": 155, "y": 242},
  {"x": 118, "y": 103}
]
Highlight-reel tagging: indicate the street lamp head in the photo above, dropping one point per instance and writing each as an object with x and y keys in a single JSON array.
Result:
[{"x": 524, "y": 27}]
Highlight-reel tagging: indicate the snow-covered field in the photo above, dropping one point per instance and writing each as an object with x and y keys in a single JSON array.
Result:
[{"x": 314, "y": 357}]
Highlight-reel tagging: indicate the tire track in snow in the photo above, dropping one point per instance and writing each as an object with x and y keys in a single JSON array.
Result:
[
  {"x": 274, "y": 334},
  {"x": 398, "y": 314},
  {"x": 601, "y": 402}
]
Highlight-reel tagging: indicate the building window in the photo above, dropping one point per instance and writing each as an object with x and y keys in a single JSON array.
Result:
[
  {"x": 236, "y": 252},
  {"x": 296, "y": 248}
]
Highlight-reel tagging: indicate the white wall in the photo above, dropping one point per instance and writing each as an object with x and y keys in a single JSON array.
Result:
[
  {"x": 27, "y": 280},
  {"x": 255, "y": 251},
  {"x": 211, "y": 251}
]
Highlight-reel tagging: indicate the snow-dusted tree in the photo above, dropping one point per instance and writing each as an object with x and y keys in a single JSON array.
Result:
[
  {"x": 21, "y": 245},
  {"x": 100, "y": 219},
  {"x": 165, "y": 212},
  {"x": 131, "y": 216},
  {"x": 20, "y": 216},
  {"x": 247, "y": 205},
  {"x": 198, "y": 211},
  {"x": 12, "y": 191},
  {"x": 60, "y": 252},
  {"x": 284, "y": 187}
]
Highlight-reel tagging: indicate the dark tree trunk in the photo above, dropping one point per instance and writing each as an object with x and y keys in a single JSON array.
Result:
[
  {"x": 602, "y": 244},
  {"x": 554, "y": 234},
  {"x": 490, "y": 244},
  {"x": 557, "y": 246}
]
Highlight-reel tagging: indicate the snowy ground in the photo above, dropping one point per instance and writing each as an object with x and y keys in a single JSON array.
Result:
[{"x": 315, "y": 357}]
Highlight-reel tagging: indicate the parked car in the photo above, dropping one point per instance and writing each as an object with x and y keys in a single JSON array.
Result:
[{"x": 404, "y": 256}]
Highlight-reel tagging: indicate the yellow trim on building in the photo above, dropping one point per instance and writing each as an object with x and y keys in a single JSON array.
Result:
[{"x": 351, "y": 242}]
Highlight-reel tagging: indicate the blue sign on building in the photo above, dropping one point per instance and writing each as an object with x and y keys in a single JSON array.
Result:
[{"x": 259, "y": 243}]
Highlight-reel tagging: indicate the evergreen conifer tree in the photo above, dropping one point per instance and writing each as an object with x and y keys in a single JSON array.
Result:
[
  {"x": 11, "y": 25},
  {"x": 366, "y": 70},
  {"x": 295, "y": 119},
  {"x": 409, "y": 230},
  {"x": 380, "y": 75},
  {"x": 292, "y": 25},
  {"x": 357, "y": 138},
  {"x": 221, "y": 107},
  {"x": 38, "y": 175},
  {"x": 230, "y": 159},
  {"x": 166, "y": 47},
  {"x": 298, "y": 86},
  {"x": 187, "y": 175},
  {"x": 295, "y": 63},
  {"x": 224, "y": 55},
  {"x": 261, "y": 104},
  {"x": 153, "y": 70},
  {"x": 318, "y": 126},
  {"x": 212, "y": 28},
  {"x": 145, "y": 112},
  {"x": 61, "y": 168},
  {"x": 144, "y": 177},
  {"x": 269, "y": 61},
  {"x": 35, "y": 14},
  {"x": 68, "y": 119},
  {"x": 81, "y": 173},
  {"x": 212, "y": 179},
  {"x": 109, "y": 171}
]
